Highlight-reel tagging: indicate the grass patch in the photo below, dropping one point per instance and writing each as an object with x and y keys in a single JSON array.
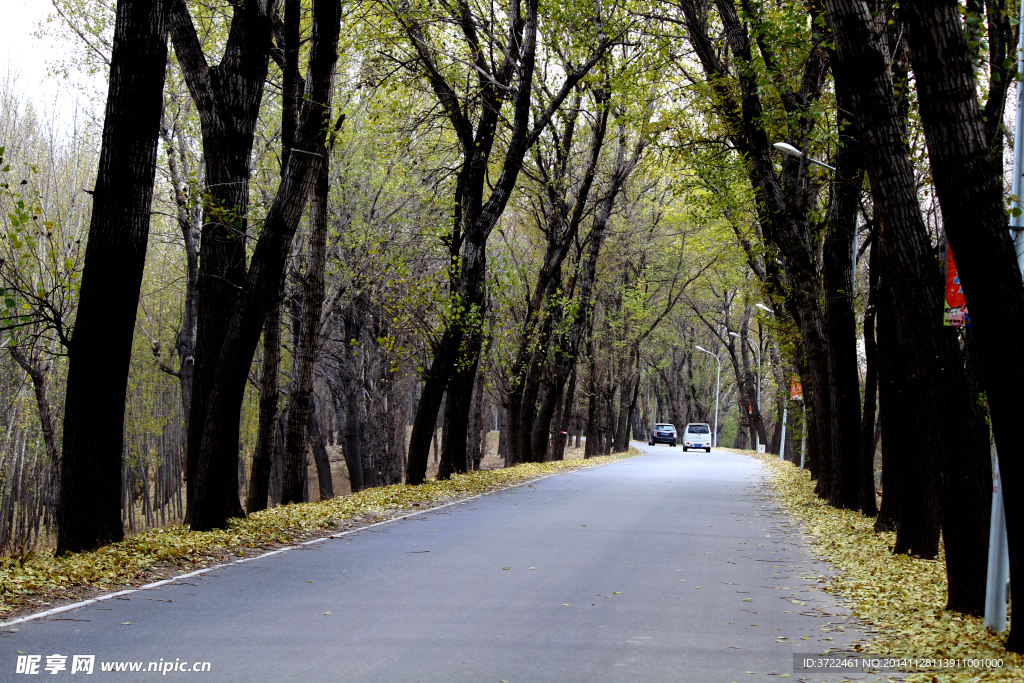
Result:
[
  {"x": 39, "y": 579},
  {"x": 902, "y": 597}
]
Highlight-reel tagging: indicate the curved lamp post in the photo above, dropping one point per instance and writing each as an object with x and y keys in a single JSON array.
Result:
[
  {"x": 718, "y": 379},
  {"x": 766, "y": 310},
  {"x": 792, "y": 151}
]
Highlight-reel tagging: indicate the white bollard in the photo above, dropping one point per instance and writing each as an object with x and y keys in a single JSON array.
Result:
[
  {"x": 998, "y": 559},
  {"x": 782, "y": 442}
]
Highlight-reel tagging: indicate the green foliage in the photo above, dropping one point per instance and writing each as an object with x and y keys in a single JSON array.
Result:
[{"x": 41, "y": 260}]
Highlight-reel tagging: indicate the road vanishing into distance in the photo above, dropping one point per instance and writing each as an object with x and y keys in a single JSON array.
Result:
[{"x": 666, "y": 567}]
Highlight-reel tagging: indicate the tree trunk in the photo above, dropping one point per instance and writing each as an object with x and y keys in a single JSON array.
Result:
[
  {"x": 90, "y": 496},
  {"x": 568, "y": 344},
  {"x": 320, "y": 456},
  {"x": 227, "y": 98},
  {"x": 215, "y": 486},
  {"x": 306, "y": 349},
  {"x": 503, "y": 435},
  {"x": 189, "y": 221},
  {"x": 627, "y": 394},
  {"x": 561, "y": 229},
  {"x": 840, "y": 319},
  {"x": 928, "y": 358},
  {"x": 37, "y": 372},
  {"x": 590, "y": 448},
  {"x": 566, "y": 419},
  {"x": 266, "y": 438},
  {"x": 395, "y": 421},
  {"x": 477, "y": 433},
  {"x": 783, "y": 204},
  {"x": 969, "y": 185},
  {"x": 890, "y": 407},
  {"x": 526, "y": 420},
  {"x": 455, "y": 433},
  {"x": 353, "y": 438},
  {"x": 277, "y": 464},
  {"x": 750, "y": 388},
  {"x": 868, "y": 505}
]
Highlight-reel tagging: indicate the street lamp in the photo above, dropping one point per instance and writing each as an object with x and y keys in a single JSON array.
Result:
[
  {"x": 757, "y": 435},
  {"x": 794, "y": 152},
  {"x": 789, "y": 149},
  {"x": 718, "y": 379},
  {"x": 764, "y": 308}
]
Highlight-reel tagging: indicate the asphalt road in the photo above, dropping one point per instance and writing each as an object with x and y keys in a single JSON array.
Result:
[{"x": 661, "y": 568}]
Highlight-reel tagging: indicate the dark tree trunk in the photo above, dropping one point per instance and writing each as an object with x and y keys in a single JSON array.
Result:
[
  {"x": 353, "y": 438},
  {"x": 473, "y": 221},
  {"x": 227, "y": 98},
  {"x": 969, "y": 185},
  {"x": 792, "y": 445},
  {"x": 320, "y": 457},
  {"x": 746, "y": 401},
  {"x": 840, "y": 319},
  {"x": 277, "y": 464},
  {"x": 455, "y": 432},
  {"x": 931, "y": 373},
  {"x": 609, "y": 420},
  {"x": 526, "y": 394},
  {"x": 627, "y": 397},
  {"x": 590, "y": 449},
  {"x": 750, "y": 390},
  {"x": 540, "y": 434},
  {"x": 776, "y": 441},
  {"x": 890, "y": 407},
  {"x": 632, "y": 411},
  {"x": 811, "y": 460},
  {"x": 640, "y": 414},
  {"x": 868, "y": 505},
  {"x": 396, "y": 417},
  {"x": 306, "y": 349},
  {"x": 566, "y": 420},
  {"x": 739, "y": 441},
  {"x": 424, "y": 426},
  {"x": 266, "y": 437},
  {"x": 89, "y": 513},
  {"x": 215, "y": 487},
  {"x": 503, "y": 434},
  {"x": 477, "y": 432}
]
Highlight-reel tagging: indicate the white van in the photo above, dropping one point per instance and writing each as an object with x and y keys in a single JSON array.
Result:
[{"x": 697, "y": 435}]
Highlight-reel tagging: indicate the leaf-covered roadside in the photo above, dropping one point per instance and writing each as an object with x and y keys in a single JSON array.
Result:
[
  {"x": 40, "y": 578},
  {"x": 901, "y": 596}
]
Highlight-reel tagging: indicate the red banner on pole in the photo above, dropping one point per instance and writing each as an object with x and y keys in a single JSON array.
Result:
[
  {"x": 796, "y": 390},
  {"x": 954, "y": 312}
]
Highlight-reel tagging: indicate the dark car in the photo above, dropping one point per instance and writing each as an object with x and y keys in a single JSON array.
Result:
[{"x": 662, "y": 433}]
